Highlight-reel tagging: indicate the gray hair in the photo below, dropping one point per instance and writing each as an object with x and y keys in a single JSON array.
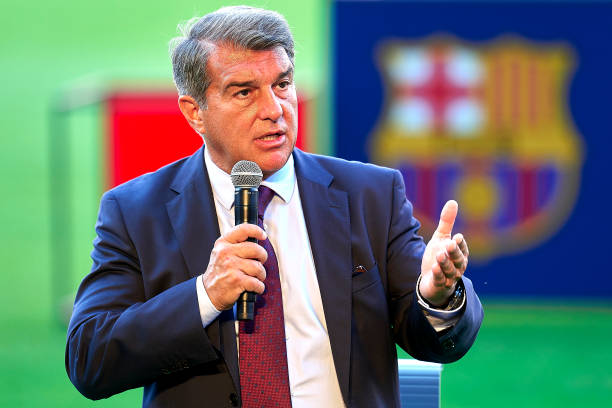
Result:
[{"x": 241, "y": 26}]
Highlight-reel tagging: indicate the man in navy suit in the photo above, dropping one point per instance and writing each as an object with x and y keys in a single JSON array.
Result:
[{"x": 168, "y": 263}]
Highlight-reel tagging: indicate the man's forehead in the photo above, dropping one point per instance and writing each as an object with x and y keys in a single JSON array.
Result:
[{"x": 228, "y": 61}]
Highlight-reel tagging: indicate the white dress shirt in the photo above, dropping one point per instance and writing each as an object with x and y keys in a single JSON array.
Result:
[{"x": 312, "y": 376}]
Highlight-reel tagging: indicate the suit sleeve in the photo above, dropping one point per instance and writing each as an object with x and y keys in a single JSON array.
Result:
[
  {"x": 411, "y": 329},
  {"x": 117, "y": 338}
]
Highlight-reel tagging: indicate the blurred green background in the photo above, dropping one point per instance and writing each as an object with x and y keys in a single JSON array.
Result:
[{"x": 544, "y": 353}]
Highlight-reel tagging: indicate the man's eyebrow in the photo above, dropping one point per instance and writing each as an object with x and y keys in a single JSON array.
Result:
[
  {"x": 288, "y": 72},
  {"x": 252, "y": 84},
  {"x": 247, "y": 84}
]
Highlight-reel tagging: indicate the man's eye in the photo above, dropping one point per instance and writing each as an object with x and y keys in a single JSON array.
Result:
[
  {"x": 284, "y": 84},
  {"x": 244, "y": 92}
]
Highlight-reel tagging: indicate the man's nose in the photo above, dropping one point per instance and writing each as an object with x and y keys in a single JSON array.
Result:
[{"x": 270, "y": 106}]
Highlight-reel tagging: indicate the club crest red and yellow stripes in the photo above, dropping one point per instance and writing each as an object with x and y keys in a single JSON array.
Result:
[{"x": 486, "y": 124}]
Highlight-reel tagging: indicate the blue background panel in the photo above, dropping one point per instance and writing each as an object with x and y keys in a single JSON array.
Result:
[{"x": 573, "y": 261}]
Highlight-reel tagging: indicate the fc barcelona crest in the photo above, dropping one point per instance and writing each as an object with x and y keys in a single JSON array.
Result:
[{"x": 488, "y": 125}]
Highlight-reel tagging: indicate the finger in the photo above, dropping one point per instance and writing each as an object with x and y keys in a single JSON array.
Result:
[
  {"x": 252, "y": 268},
  {"x": 446, "y": 265},
  {"x": 250, "y": 250},
  {"x": 448, "y": 269},
  {"x": 241, "y": 232},
  {"x": 447, "y": 218},
  {"x": 438, "y": 276},
  {"x": 463, "y": 246},
  {"x": 455, "y": 254},
  {"x": 251, "y": 284}
]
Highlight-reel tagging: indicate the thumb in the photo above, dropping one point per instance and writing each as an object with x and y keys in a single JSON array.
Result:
[{"x": 447, "y": 219}]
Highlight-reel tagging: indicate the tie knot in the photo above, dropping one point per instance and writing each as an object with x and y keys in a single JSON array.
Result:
[{"x": 266, "y": 194}]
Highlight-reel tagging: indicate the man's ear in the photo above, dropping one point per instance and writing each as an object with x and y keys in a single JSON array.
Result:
[{"x": 191, "y": 111}]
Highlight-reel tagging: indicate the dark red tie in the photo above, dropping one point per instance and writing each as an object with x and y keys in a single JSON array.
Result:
[{"x": 264, "y": 377}]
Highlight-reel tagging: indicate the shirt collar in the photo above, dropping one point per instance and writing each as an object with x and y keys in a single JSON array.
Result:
[{"x": 282, "y": 182}]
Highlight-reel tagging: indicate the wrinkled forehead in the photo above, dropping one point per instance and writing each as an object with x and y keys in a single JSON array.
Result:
[{"x": 228, "y": 61}]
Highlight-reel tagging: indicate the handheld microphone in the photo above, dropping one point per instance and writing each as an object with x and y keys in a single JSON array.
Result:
[{"x": 246, "y": 178}]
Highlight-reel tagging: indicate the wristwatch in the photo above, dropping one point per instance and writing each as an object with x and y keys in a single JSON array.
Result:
[{"x": 455, "y": 301}]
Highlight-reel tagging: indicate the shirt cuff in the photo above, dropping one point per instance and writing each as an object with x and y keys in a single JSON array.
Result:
[
  {"x": 208, "y": 312},
  {"x": 441, "y": 319}
]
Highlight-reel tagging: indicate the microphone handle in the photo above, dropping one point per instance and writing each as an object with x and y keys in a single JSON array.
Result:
[{"x": 245, "y": 210}]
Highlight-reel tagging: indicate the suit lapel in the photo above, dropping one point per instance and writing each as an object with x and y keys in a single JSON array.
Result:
[
  {"x": 193, "y": 217},
  {"x": 192, "y": 214},
  {"x": 327, "y": 220}
]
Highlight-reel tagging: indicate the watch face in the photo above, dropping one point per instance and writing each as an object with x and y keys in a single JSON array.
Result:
[{"x": 457, "y": 298}]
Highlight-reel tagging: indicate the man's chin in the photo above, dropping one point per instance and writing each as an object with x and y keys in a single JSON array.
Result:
[{"x": 273, "y": 164}]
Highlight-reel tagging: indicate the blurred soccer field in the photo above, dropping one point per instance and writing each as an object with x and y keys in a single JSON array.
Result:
[{"x": 527, "y": 355}]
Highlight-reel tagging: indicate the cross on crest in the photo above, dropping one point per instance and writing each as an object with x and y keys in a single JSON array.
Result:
[{"x": 441, "y": 85}]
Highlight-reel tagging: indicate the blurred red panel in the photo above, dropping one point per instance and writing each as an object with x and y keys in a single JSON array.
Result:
[
  {"x": 148, "y": 131},
  {"x": 303, "y": 119}
]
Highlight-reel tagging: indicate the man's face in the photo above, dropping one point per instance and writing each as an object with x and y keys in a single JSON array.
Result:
[{"x": 251, "y": 109}]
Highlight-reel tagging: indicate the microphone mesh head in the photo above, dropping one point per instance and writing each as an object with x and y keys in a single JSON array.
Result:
[{"x": 246, "y": 174}]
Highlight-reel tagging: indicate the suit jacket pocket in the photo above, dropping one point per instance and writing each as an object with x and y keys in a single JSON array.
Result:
[{"x": 363, "y": 280}]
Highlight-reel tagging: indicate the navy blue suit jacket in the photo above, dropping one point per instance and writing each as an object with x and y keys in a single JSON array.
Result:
[{"x": 136, "y": 321}]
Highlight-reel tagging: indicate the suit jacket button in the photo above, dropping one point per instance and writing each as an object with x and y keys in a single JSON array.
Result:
[
  {"x": 233, "y": 399},
  {"x": 448, "y": 344}
]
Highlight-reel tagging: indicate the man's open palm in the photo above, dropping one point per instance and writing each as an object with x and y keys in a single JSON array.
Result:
[{"x": 445, "y": 259}]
